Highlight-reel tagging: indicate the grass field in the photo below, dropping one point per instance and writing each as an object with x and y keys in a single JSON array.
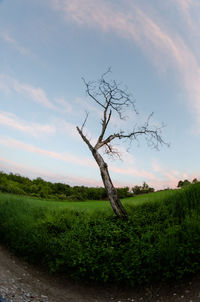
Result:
[
  {"x": 160, "y": 241},
  {"x": 87, "y": 205}
]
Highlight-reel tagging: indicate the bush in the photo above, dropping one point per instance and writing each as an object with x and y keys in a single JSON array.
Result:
[{"x": 160, "y": 241}]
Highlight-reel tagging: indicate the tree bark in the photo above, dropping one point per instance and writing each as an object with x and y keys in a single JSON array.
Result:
[{"x": 110, "y": 189}]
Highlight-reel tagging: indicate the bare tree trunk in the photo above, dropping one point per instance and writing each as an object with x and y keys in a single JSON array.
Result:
[{"x": 110, "y": 189}]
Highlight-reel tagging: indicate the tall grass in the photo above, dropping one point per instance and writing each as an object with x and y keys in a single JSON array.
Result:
[{"x": 160, "y": 241}]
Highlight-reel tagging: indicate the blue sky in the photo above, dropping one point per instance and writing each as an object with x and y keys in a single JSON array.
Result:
[{"x": 47, "y": 46}]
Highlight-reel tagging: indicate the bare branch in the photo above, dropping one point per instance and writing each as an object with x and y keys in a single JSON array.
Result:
[
  {"x": 112, "y": 152},
  {"x": 85, "y": 120},
  {"x": 109, "y": 70},
  {"x": 88, "y": 91},
  {"x": 109, "y": 94},
  {"x": 105, "y": 123},
  {"x": 86, "y": 140},
  {"x": 111, "y": 97}
]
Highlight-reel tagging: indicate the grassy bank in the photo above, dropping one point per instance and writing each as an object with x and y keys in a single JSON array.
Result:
[{"x": 160, "y": 241}]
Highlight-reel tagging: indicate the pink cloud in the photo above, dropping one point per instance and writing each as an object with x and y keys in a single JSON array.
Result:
[
  {"x": 184, "y": 8},
  {"x": 164, "y": 47},
  {"x": 65, "y": 156},
  {"x": 32, "y": 172},
  {"x": 164, "y": 179},
  {"x": 169, "y": 177},
  {"x": 12, "y": 121},
  {"x": 133, "y": 172},
  {"x": 36, "y": 94},
  {"x": 6, "y": 37}
]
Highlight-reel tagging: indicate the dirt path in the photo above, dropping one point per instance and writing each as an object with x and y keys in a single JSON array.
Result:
[{"x": 21, "y": 282}]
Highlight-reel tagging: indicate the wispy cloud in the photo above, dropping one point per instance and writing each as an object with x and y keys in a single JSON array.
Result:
[
  {"x": 133, "y": 172},
  {"x": 169, "y": 177},
  {"x": 36, "y": 94},
  {"x": 32, "y": 172},
  {"x": 185, "y": 8},
  {"x": 64, "y": 156},
  {"x": 35, "y": 129},
  {"x": 10, "y": 40},
  {"x": 71, "y": 158},
  {"x": 165, "y": 48},
  {"x": 159, "y": 178},
  {"x": 49, "y": 175},
  {"x": 9, "y": 84}
]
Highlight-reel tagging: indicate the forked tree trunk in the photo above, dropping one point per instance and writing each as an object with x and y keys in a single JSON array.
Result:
[{"x": 110, "y": 189}]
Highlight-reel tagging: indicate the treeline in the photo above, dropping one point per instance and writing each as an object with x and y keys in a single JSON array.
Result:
[
  {"x": 17, "y": 184},
  {"x": 144, "y": 189},
  {"x": 186, "y": 182}
]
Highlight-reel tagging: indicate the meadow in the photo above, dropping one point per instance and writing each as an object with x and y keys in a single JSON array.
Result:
[{"x": 160, "y": 240}]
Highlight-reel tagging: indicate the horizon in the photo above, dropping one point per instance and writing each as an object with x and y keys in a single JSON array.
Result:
[{"x": 35, "y": 178}]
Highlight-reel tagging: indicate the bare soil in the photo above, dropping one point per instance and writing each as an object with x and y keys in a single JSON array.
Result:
[{"x": 20, "y": 282}]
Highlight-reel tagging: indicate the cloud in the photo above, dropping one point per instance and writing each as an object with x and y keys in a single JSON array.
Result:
[
  {"x": 163, "y": 178},
  {"x": 36, "y": 94},
  {"x": 49, "y": 175},
  {"x": 32, "y": 172},
  {"x": 133, "y": 172},
  {"x": 169, "y": 177},
  {"x": 35, "y": 129},
  {"x": 64, "y": 156},
  {"x": 164, "y": 47},
  {"x": 185, "y": 9},
  {"x": 9, "y": 84},
  {"x": 71, "y": 158},
  {"x": 7, "y": 38}
]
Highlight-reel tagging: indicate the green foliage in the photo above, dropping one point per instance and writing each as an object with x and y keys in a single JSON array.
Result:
[
  {"x": 17, "y": 184},
  {"x": 144, "y": 189},
  {"x": 160, "y": 241},
  {"x": 124, "y": 192},
  {"x": 186, "y": 182}
]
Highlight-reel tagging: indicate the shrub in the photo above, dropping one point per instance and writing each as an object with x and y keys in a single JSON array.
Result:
[{"x": 160, "y": 241}]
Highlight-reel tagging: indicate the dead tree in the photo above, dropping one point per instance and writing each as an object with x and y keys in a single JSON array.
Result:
[{"x": 113, "y": 100}]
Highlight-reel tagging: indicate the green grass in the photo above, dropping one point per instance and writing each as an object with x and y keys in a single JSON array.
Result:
[
  {"x": 160, "y": 241},
  {"x": 87, "y": 205}
]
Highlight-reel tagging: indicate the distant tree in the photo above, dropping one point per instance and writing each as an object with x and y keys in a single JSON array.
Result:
[
  {"x": 146, "y": 188},
  {"x": 136, "y": 190},
  {"x": 123, "y": 192},
  {"x": 180, "y": 184},
  {"x": 142, "y": 189},
  {"x": 184, "y": 183},
  {"x": 195, "y": 181},
  {"x": 112, "y": 99}
]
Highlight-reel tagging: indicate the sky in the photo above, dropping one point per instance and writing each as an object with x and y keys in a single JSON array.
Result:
[{"x": 47, "y": 46}]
